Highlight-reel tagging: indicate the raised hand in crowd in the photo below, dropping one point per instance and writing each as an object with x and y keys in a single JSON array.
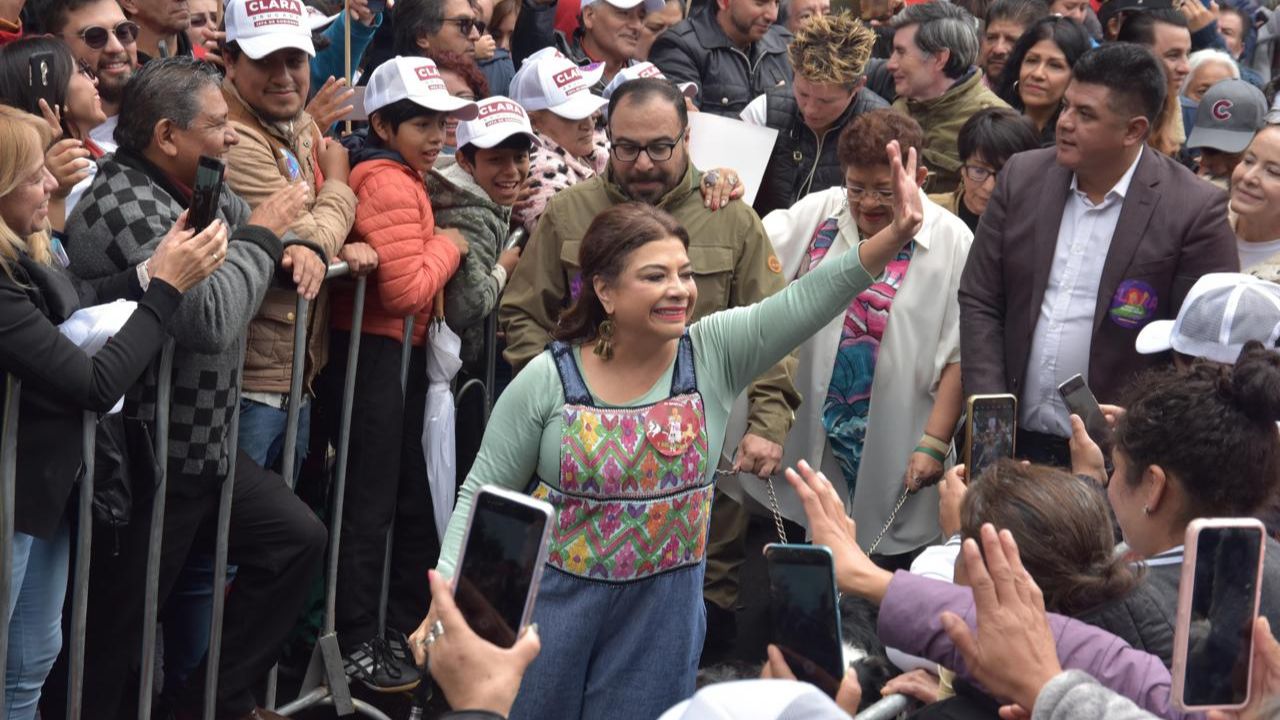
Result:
[
  {"x": 951, "y": 492},
  {"x": 184, "y": 258},
  {"x": 848, "y": 697},
  {"x": 486, "y": 46},
  {"x": 1264, "y": 686},
  {"x": 474, "y": 673},
  {"x": 830, "y": 525},
  {"x": 908, "y": 213},
  {"x": 52, "y": 117},
  {"x": 334, "y": 160},
  {"x": 68, "y": 161},
  {"x": 719, "y": 186},
  {"x": 1013, "y": 653},
  {"x": 360, "y": 257},
  {"x": 359, "y": 10},
  {"x": 1086, "y": 457},
  {"x": 213, "y": 48},
  {"x": 456, "y": 238},
  {"x": 757, "y": 455},
  {"x": 509, "y": 258},
  {"x": 331, "y": 103},
  {"x": 278, "y": 211},
  {"x": 1198, "y": 16}
]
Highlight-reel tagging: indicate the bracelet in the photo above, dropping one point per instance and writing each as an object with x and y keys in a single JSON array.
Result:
[
  {"x": 931, "y": 453},
  {"x": 930, "y": 441}
]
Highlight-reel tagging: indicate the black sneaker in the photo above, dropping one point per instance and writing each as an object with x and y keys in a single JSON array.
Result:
[{"x": 376, "y": 665}]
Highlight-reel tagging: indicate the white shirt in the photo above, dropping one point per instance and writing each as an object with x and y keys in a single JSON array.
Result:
[
  {"x": 104, "y": 134},
  {"x": 1252, "y": 253},
  {"x": 1064, "y": 329},
  {"x": 756, "y": 112}
]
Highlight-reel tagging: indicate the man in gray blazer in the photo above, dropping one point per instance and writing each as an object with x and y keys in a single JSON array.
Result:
[{"x": 1081, "y": 246}]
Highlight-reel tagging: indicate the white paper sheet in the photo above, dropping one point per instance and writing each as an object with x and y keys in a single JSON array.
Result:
[{"x": 716, "y": 141}]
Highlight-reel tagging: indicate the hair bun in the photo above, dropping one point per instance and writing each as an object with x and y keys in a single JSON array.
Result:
[{"x": 1255, "y": 383}]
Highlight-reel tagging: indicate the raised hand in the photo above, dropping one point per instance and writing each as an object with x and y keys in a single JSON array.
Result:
[
  {"x": 331, "y": 103},
  {"x": 184, "y": 258},
  {"x": 908, "y": 211},
  {"x": 68, "y": 161},
  {"x": 278, "y": 211}
]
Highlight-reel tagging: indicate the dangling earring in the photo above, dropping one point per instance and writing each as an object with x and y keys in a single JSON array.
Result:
[{"x": 604, "y": 339}]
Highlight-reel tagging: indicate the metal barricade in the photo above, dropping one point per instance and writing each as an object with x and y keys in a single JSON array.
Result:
[
  {"x": 325, "y": 683},
  {"x": 8, "y": 490},
  {"x": 406, "y": 351},
  {"x": 151, "y": 601},
  {"x": 80, "y": 584},
  {"x": 487, "y": 385},
  {"x": 886, "y": 709}
]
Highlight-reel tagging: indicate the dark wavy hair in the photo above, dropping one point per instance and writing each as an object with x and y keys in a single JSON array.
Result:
[
  {"x": 1070, "y": 37},
  {"x": 1063, "y": 527},
  {"x": 611, "y": 238},
  {"x": 1212, "y": 429},
  {"x": 465, "y": 68},
  {"x": 15, "y": 88}
]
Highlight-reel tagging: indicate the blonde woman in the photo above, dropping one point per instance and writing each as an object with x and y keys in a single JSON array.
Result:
[{"x": 59, "y": 381}]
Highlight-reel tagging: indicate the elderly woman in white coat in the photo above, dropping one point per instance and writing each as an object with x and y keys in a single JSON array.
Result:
[{"x": 882, "y": 382}]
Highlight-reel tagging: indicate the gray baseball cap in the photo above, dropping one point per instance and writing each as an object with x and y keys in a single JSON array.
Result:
[{"x": 1229, "y": 115}]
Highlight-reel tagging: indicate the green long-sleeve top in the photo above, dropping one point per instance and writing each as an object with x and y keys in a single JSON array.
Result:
[{"x": 730, "y": 348}]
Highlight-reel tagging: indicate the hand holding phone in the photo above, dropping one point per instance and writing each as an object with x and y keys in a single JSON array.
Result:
[
  {"x": 804, "y": 612},
  {"x": 1217, "y": 605},
  {"x": 1080, "y": 401},
  {"x": 39, "y": 79},
  {"x": 205, "y": 193},
  {"x": 991, "y": 429}
]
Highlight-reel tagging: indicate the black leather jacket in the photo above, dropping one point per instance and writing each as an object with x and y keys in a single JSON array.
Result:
[{"x": 697, "y": 50}]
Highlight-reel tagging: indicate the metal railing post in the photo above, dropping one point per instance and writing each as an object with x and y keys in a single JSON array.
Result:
[
  {"x": 886, "y": 709},
  {"x": 406, "y": 350},
  {"x": 151, "y": 602},
  {"x": 83, "y": 555},
  {"x": 8, "y": 491}
]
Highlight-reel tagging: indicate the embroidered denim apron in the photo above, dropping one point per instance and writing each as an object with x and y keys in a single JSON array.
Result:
[{"x": 620, "y": 610}]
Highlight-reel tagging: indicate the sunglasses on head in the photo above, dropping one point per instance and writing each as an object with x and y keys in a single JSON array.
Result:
[{"x": 96, "y": 36}]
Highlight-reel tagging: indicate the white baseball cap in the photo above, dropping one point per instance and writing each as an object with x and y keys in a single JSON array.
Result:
[
  {"x": 649, "y": 5},
  {"x": 499, "y": 118},
  {"x": 1221, "y": 313},
  {"x": 635, "y": 71},
  {"x": 553, "y": 82},
  {"x": 261, "y": 27},
  {"x": 416, "y": 79}
]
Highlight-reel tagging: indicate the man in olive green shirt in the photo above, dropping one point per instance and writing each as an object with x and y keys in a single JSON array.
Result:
[{"x": 733, "y": 264}]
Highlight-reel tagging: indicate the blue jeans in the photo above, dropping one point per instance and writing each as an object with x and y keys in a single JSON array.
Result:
[
  {"x": 190, "y": 607},
  {"x": 35, "y": 620},
  {"x": 627, "y": 651}
]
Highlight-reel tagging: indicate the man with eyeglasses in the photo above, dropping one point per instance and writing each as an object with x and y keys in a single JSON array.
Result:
[
  {"x": 104, "y": 40},
  {"x": 733, "y": 263},
  {"x": 609, "y": 32},
  {"x": 424, "y": 26}
]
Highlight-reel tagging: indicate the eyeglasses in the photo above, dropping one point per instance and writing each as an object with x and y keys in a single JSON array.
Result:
[
  {"x": 466, "y": 24},
  {"x": 855, "y": 195},
  {"x": 657, "y": 151},
  {"x": 96, "y": 36},
  {"x": 199, "y": 20},
  {"x": 977, "y": 173}
]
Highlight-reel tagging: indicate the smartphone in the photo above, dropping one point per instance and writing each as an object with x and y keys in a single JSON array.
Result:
[
  {"x": 357, "y": 105},
  {"x": 39, "y": 71},
  {"x": 504, "y": 550},
  {"x": 205, "y": 193},
  {"x": 1080, "y": 401},
  {"x": 1217, "y": 605},
  {"x": 804, "y": 613},
  {"x": 518, "y": 238},
  {"x": 991, "y": 429}
]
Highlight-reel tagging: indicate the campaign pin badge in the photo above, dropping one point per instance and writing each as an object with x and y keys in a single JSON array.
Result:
[
  {"x": 671, "y": 427},
  {"x": 291, "y": 164},
  {"x": 1133, "y": 304}
]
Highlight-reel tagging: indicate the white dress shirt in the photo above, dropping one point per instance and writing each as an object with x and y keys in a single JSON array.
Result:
[{"x": 1064, "y": 329}]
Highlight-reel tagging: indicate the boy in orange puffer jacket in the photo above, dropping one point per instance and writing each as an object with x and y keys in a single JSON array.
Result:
[{"x": 407, "y": 104}]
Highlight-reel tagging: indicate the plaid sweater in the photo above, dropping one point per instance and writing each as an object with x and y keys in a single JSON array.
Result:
[{"x": 117, "y": 224}]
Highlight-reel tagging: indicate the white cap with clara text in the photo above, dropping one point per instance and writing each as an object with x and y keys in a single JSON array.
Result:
[
  {"x": 499, "y": 118},
  {"x": 261, "y": 27},
  {"x": 556, "y": 84},
  {"x": 416, "y": 79}
]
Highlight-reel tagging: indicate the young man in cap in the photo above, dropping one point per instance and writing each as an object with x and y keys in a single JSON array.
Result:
[
  {"x": 475, "y": 196},
  {"x": 609, "y": 33},
  {"x": 1228, "y": 116},
  {"x": 408, "y": 103}
]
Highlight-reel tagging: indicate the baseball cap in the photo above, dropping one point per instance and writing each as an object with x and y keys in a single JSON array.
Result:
[
  {"x": 1228, "y": 116},
  {"x": 649, "y": 5},
  {"x": 416, "y": 79},
  {"x": 556, "y": 84},
  {"x": 261, "y": 27},
  {"x": 1221, "y": 313},
  {"x": 499, "y": 118},
  {"x": 639, "y": 70},
  {"x": 593, "y": 72},
  {"x": 1109, "y": 9}
]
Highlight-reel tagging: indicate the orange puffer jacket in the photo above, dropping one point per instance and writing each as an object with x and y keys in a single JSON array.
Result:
[{"x": 394, "y": 216}]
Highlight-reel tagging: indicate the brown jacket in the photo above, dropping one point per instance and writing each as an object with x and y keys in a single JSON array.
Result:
[{"x": 257, "y": 168}]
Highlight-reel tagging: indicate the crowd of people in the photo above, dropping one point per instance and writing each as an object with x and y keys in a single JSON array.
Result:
[{"x": 962, "y": 198}]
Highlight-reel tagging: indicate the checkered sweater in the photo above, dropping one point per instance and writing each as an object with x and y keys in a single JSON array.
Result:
[{"x": 117, "y": 224}]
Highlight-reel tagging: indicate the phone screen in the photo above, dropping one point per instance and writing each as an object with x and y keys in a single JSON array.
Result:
[
  {"x": 1220, "y": 632},
  {"x": 994, "y": 426},
  {"x": 1080, "y": 401},
  {"x": 205, "y": 193},
  {"x": 499, "y": 562},
  {"x": 804, "y": 615}
]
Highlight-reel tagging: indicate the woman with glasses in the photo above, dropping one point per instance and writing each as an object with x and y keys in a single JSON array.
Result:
[
  {"x": 73, "y": 108},
  {"x": 1036, "y": 76},
  {"x": 986, "y": 142},
  {"x": 898, "y": 342}
]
